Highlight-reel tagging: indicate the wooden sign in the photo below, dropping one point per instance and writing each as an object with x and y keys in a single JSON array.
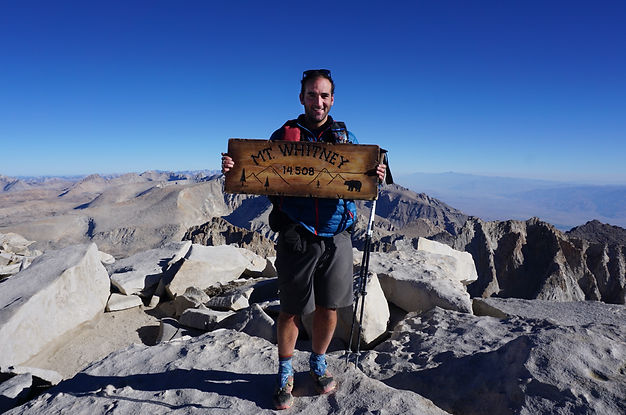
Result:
[{"x": 303, "y": 168}]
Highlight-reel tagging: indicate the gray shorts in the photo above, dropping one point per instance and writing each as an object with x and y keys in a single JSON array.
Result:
[{"x": 322, "y": 275}]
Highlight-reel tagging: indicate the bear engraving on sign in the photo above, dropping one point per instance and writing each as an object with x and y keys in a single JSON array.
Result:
[
  {"x": 353, "y": 185},
  {"x": 309, "y": 169}
]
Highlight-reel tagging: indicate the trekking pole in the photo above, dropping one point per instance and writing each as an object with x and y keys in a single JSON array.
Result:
[
  {"x": 365, "y": 261},
  {"x": 364, "y": 272},
  {"x": 361, "y": 290}
]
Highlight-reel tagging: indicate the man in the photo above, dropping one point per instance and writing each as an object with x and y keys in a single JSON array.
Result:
[{"x": 314, "y": 249}]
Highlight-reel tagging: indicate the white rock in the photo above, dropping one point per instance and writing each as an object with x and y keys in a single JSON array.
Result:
[
  {"x": 8, "y": 270},
  {"x": 145, "y": 269},
  {"x": 253, "y": 321},
  {"x": 192, "y": 298},
  {"x": 465, "y": 270},
  {"x": 14, "y": 254},
  {"x": 375, "y": 315},
  {"x": 14, "y": 390},
  {"x": 14, "y": 243},
  {"x": 59, "y": 291},
  {"x": 236, "y": 300},
  {"x": 106, "y": 259},
  {"x": 119, "y": 302},
  {"x": 48, "y": 376},
  {"x": 205, "y": 266},
  {"x": 7, "y": 258},
  {"x": 420, "y": 280},
  {"x": 203, "y": 319}
]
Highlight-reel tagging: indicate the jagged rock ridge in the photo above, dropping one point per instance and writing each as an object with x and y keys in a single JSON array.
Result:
[
  {"x": 534, "y": 260},
  {"x": 597, "y": 232},
  {"x": 218, "y": 231}
]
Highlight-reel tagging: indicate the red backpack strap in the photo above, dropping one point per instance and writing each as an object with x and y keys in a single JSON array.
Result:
[{"x": 291, "y": 133}]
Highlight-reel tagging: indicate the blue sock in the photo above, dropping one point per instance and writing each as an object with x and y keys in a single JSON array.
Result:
[
  {"x": 317, "y": 362},
  {"x": 284, "y": 370}
]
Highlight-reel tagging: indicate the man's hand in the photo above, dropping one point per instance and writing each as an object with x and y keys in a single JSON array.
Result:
[
  {"x": 227, "y": 163},
  {"x": 380, "y": 172}
]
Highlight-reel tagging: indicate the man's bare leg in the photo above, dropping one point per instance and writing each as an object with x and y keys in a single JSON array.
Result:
[
  {"x": 287, "y": 334},
  {"x": 324, "y": 323}
]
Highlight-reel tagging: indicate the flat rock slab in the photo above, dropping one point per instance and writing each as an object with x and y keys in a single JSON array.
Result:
[
  {"x": 420, "y": 280},
  {"x": 220, "y": 372},
  {"x": 118, "y": 302},
  {"x": 253, "y": 321},
  {"x": 58, "y": 292},
  {"x": 203, "y": 319},
  {"x": 14, "y": 391},
  {"x": 205, "y": 266},
  {"x": 43, "y": 376},
  {"x": 16, "y": 386},
  {"x": 234, "y": 301},
  {"x": 145, "y": 269}
]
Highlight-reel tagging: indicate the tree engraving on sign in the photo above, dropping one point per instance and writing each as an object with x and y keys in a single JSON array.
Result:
[{"x": 302, "y": 168}]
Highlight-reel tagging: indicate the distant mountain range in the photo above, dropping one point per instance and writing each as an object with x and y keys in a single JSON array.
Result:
[
  {"x": 501, "y": 198},
  {"x": 514, "y": 258},
  {"x": 13, "y": 184},
  {"x": 565, "y": 205}
]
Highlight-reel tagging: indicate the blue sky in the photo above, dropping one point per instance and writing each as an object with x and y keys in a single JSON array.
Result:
[{"x": 511, "y": 88}]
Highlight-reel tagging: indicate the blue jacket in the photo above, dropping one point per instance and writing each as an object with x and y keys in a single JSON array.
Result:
[{"x": 320, "y": 216}]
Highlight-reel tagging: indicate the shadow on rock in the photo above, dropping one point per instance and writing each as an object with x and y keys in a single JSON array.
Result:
[
  {"x": 475, "y": 384},
  {"x": 250, "y": 387},
  {"x": 148, "y": 334}
]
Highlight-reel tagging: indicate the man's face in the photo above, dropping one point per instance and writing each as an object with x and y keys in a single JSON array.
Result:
[{"x": 317, "y": 100}]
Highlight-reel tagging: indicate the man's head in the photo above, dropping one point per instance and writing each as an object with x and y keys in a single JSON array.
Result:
[{"x": 317, "y": 95}]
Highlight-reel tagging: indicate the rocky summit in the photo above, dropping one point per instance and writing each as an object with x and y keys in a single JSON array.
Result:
[
  {"x": 512, "y": 357},
  {"x": 157, "y": 293}
]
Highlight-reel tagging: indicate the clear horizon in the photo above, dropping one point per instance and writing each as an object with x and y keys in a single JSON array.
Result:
[
  {"x": 525, "y": 90},
  {"x": 115, "y": 174}
]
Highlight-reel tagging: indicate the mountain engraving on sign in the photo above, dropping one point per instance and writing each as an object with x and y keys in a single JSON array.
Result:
[{"x": 309, "y": 169}]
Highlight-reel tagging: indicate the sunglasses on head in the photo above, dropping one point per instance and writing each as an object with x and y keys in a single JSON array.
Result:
[{"x": 324, "y": 72}]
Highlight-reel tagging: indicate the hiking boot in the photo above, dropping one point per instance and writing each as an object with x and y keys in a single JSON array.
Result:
[
  {"x": 283, "y": 399},
  {"x": 325, "y": 383}
]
